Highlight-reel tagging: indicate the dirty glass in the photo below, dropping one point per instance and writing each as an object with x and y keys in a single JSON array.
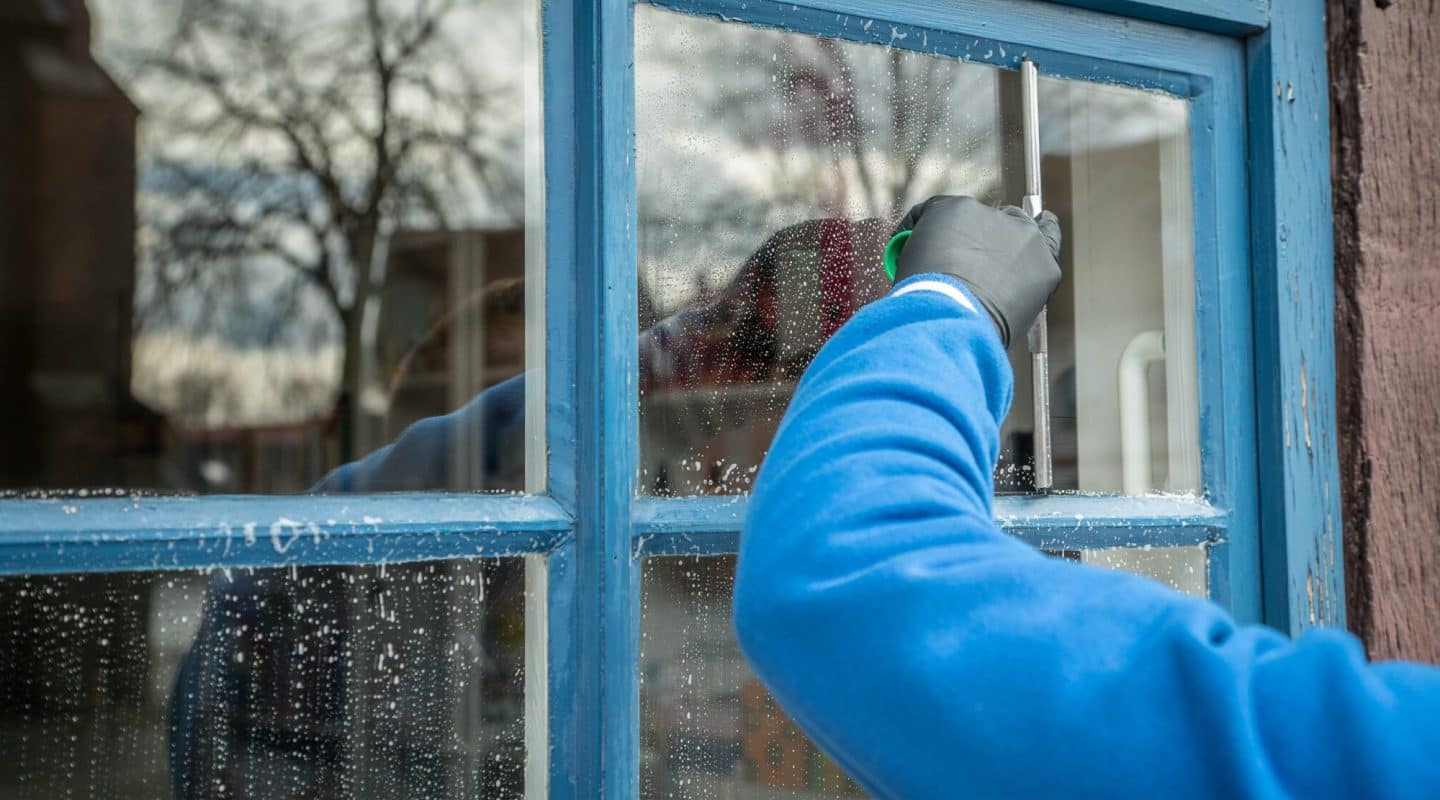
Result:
[
  {"x": 708, "y": 728},
  {"x": 399, "y": 681},
  {"x": 250, "y": 242},
  {"x": 1184, "y": 569},
  {"x": 771, "y": 169}
]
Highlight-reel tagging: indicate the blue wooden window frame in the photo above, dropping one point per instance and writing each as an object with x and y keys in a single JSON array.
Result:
[{"x": 1265, "y": 294}]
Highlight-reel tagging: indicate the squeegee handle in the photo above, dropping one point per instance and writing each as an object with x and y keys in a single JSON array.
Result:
[{"x": 1039, "y": 338}]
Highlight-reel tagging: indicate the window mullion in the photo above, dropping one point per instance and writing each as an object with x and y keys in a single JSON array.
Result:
[{"x": 607, "y": 583}]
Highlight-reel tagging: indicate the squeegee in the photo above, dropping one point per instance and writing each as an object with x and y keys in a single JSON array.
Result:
[{"x": 1039, "y": 336}]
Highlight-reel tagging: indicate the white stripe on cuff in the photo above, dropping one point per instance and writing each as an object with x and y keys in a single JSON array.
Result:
[{"x": 941, "y": 287}]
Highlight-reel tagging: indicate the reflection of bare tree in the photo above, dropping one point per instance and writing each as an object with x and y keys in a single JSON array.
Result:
[
  {"x": 294, "y": 143},
  {"x": 877, "y": 135}
]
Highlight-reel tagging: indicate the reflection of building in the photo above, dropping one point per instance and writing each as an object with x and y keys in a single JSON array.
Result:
[
  {"x": 67, "y": 277},
  {"x": 264, "y": 459},
  {"x": 451, "y": 325},
  {"x": 67, "y": 258},
  {"x": 436, "y": 348}
]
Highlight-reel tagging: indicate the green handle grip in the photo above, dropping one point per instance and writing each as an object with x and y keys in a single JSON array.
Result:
[{"x": 891, "y": 258}]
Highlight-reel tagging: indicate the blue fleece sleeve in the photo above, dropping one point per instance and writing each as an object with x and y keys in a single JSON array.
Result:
[{"x": 933, "y": 656}]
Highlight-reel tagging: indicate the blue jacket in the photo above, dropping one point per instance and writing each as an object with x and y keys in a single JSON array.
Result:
[{"x": 934, "y": 656}]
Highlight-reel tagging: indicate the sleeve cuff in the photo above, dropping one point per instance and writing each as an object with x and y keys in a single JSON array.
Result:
[{"x": 946, "y": 285}]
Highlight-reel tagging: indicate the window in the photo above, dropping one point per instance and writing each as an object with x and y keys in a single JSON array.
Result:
[
  {"x": 781, "y": 173},
  {"x": 383, "y": 389}
]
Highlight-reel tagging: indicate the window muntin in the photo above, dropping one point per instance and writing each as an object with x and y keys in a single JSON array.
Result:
[
  {"x": 398, "y": 680},
  {"x": 768, "y": 187},
  {"x": 330, "y": 228}
]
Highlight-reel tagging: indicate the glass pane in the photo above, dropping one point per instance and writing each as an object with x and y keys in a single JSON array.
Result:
[
  {"x": 254, "y": 241},
  {"x": 771, "y": 169},
  {"x": 1124, "y": 415},
  {"x": 708, "y": 729},
  {"x": 1183, "y": 569},
  {"x": 398, "y": 681}
]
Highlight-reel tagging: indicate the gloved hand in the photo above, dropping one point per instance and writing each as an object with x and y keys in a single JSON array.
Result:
[{"x": 1006, "y": 258}]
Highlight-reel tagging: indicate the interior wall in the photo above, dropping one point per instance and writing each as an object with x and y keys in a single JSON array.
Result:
[
  {"x": 1128, "y": 221},
  {"x": 1119, "y": 242},
  {"x": 1386, "y": 157}
]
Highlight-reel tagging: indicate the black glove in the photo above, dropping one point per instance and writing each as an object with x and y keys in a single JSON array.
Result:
[{"x": 1006, "y": 258}]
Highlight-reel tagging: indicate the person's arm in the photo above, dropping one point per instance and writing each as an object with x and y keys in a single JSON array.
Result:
[
  {"x": 934, "y": 656},
  {"x": 423, "y": 456}
]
